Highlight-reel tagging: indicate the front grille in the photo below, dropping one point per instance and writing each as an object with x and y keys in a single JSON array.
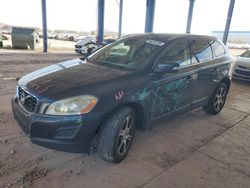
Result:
[
  {"x": 27, "y": 100},
  {"x": 242, "y": 72}
]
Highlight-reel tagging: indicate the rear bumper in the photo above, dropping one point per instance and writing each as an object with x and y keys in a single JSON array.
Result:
[{"x": 65, "y": 133}]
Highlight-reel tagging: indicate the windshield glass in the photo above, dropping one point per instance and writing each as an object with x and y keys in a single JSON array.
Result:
[
  {"x": 126, "y": 53},
  {"x": 245, "y": 54}
]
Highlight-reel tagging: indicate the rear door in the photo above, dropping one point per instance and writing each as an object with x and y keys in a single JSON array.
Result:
[
  {"x": 208, "y": 70},
  {"x": 173, "y": 91}
]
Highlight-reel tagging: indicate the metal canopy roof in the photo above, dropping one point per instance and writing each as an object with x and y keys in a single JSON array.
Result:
[{"x": 149, "y": 20}]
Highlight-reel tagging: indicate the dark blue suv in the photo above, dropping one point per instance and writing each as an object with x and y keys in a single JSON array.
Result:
[{"x": 123, "y": 86}]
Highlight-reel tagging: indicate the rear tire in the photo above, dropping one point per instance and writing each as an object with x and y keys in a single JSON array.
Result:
[
  {"x": 116, "y": 135},
  {"x": 217, "y": 100}
]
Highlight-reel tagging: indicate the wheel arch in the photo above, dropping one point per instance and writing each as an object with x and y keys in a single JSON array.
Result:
[
  {"x": 226, "y": 81},
  {"x": 141, "y": 118}
]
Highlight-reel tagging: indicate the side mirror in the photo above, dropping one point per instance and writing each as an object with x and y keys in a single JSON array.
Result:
[{"x": 168, "y": 68}]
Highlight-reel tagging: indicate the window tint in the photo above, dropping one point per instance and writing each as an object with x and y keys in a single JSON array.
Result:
[
  {"x": 217, "y": 48},
  {"x": 178, "y": 52},
  {"x": 201, "y": 50},
  {"x": 194, "y": 59}
]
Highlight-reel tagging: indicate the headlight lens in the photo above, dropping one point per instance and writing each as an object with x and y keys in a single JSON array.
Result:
[{"x": 73, "y": 106}]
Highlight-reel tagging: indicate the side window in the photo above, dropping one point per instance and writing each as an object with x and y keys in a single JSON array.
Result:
[
  {"x": 201, "y": 50},
  {"x": 217, "y": 48},
  {"x": 178, "y": 52}
]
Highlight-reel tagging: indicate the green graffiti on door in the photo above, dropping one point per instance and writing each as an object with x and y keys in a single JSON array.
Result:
[
  {"x": 165, "y": 97},
  {"x": 143, "y": 95}
]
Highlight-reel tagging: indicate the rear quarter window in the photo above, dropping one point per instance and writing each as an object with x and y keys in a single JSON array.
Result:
[{"x": 218, "y": 49}]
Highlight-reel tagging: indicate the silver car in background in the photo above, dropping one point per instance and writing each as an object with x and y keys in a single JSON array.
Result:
[{"x": 242, "y": 68}]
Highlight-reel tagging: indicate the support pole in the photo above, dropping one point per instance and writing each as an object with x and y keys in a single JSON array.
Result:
[
  {"x": 44, "y": 17},
  {"x": 190, "y": 15},
  {"x": 229, "y": 18},
  {"x": 120, "y": 19},
  {"x": 100, "y": 26},
  {"x": 150, "y": 10}
]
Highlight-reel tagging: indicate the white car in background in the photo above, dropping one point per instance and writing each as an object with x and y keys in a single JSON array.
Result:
[
  {"x": 242, "y": 68},
  {"x": 86, "y": 45}
]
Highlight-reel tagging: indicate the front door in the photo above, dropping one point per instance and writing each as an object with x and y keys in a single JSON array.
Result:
[{"x": 173, "y": 91}]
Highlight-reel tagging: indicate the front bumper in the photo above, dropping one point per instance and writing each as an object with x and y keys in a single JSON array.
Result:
[
  {"x": 65, "y": 133},
  {"x": 242, "y": 74},
  {"x": 81, "y": 50}
]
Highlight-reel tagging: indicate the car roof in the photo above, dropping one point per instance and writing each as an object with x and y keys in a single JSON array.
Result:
[{"x": 167, "y": 37}]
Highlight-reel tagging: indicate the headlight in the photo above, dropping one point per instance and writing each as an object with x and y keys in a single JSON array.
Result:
[{"x": 72, "y": 106}]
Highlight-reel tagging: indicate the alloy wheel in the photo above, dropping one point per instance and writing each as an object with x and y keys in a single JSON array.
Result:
[
  {"x": 125, "y": 136},
  {"x": 219, "y": 99}
]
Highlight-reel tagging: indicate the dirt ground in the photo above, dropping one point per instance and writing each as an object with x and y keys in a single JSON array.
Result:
[{"x": 192, "y": 150}]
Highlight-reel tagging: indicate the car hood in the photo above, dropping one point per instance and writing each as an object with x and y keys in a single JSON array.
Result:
[
  {"x": 243, "y": 61},
  {"x": 72, "y": 78}
]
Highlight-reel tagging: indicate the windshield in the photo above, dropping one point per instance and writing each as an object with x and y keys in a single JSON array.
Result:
[
  {"x": 126, "y": 53},
  {"x": 245, "y": 54}
]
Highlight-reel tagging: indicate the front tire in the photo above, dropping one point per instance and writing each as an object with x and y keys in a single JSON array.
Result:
[
  {"x": 116, "y": 135},
  {"x": 217, "y": 100}
]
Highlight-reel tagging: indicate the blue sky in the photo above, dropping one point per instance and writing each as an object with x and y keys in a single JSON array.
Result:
[{"x": 170, "y": 15}]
